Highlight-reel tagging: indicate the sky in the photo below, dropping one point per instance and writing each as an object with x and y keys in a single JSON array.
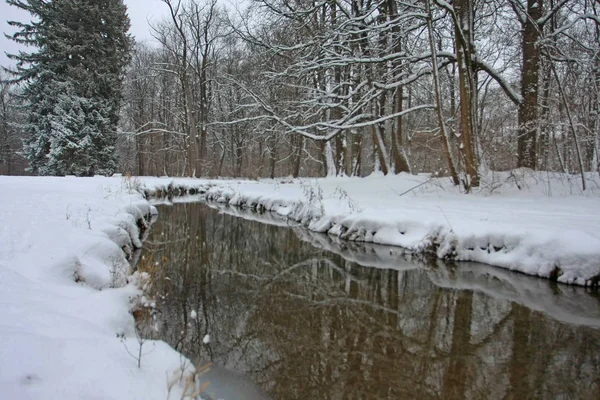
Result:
[{"x": 140, "y": 12}]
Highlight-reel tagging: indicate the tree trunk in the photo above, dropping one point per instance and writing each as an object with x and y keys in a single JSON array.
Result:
[
  {"x": 438, "y": 97},
  {"x": 595, "y": 108},
  {"x": 465, "y": 49},
  {"x": 573, "y": 129},
  {"x": 340, "y": 152},
  {"x": 191, "y": 129},
  {"x": 297, "y": 149},
  {"x": 356, "y": 138},
  {"x": 545, "y": 131},
  {"x": 272, "y": 157},
  {"x": 380, "y": 148},
  {"x": 140, "y": 155},
  {"x": 528, "y": 108},
  {"x": 400, "y": 161}
]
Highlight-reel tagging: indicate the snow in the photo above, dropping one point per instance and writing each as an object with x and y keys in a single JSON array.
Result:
[
  {"x": 537, "y": 223},
  {"x": 66, "y": 289},
  {"x": 66, "y": 293}
]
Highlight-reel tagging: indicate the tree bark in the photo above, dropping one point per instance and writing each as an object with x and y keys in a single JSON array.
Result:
[
  {"x": 297, "y": 149},
  {"x": 528, "y": 108},
  {"x": 380, "y": 149},
  {"x": 400, "y": 161},
  {"x": 356, "y": 153},
  {"x": 438, "y": 97},
  {"x": 465, "y": 50}
]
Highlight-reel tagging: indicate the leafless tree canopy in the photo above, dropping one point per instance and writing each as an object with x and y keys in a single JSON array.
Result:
[{"x": 348, "y": 87}]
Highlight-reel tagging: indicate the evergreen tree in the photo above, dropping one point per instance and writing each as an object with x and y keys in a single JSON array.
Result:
[{"x": 73, "y": 81}]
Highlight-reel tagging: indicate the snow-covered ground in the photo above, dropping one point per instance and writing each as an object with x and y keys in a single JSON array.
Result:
[
  {"x": 539, "y": 224},
  {"x": 66, "y": 293}
]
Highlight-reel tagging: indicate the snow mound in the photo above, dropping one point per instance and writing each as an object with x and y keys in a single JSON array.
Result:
[{"x": 65, "y": 292}]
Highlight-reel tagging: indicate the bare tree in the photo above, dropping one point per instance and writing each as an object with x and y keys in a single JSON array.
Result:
[
  {"x": 346, "y": 87},
  {"x": 438, "y": 96}
]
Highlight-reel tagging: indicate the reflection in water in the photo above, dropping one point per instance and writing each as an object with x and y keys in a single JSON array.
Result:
[{"x": 356, "y": 322}]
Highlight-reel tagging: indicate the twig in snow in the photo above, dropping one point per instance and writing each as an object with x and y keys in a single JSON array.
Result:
[
  {"x": 447, "y": 220},
  {"x": 412, "y": 188}
]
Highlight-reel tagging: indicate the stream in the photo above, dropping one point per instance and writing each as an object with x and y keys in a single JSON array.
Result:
[{"x": 300, "y": 315}]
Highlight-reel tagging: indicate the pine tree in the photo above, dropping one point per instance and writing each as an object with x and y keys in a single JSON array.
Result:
[{"x": 72, "y": 82}]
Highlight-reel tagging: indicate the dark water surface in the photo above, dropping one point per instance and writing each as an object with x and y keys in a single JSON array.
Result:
[{"x": 306, "y": 317}]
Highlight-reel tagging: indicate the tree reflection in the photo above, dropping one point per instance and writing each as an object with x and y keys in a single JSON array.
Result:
[{"x": 305, "y": 322}]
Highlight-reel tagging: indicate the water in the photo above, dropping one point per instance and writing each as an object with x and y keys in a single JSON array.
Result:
[{"x": 306, "y": 317}]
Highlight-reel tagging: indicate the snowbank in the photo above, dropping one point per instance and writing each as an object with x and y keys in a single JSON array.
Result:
[
  {"x": 66, "y": 292},
  {"x": 539, "y": 224}
]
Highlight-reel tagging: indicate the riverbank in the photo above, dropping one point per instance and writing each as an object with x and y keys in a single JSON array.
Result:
[
  {"x": 536, "y": 223},
  {"x": 66, "y": 329},
  {"x": 66, "y": 293}
]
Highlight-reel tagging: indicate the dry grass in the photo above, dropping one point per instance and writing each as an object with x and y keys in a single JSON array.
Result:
[{"x": 190, "y": 381}]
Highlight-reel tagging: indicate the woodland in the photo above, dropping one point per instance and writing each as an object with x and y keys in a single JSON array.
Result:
[{"x": 348, "y": 87}]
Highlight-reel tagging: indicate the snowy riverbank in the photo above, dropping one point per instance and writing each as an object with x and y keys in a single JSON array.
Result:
[
  {"x": 539, "y": 224},
  {"x": 65, "y": 293},
  {"x": 569, "y": 304}
]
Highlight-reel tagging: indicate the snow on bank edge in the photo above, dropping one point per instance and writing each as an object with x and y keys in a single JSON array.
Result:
[
  {"x": 66, "y": 293},
  {"x": 569, "y": 256}
]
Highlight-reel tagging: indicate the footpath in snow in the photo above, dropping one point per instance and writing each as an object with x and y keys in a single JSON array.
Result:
[
  {"x": 536, "y": 223},
  {"x": 66, "y": 294}
]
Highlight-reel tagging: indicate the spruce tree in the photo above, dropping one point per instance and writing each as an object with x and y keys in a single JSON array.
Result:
[{"x": 72, "y": 82}]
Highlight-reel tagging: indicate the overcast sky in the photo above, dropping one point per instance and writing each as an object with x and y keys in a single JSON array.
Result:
[{"x": 140, "y": 12}]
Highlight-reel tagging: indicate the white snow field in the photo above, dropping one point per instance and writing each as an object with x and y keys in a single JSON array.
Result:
[{"x": 66, "y": 294}]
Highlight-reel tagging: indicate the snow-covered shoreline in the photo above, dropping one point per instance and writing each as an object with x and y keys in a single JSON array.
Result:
[
  {"x": 535, "y": 223},
  {"x": 66, "y": 293}
]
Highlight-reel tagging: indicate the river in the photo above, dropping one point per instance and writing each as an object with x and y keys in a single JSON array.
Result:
[{"x": 306, "y": 316}]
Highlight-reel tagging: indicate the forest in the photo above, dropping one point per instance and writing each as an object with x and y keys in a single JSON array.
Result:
[{"x": 347, "y": 87}]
